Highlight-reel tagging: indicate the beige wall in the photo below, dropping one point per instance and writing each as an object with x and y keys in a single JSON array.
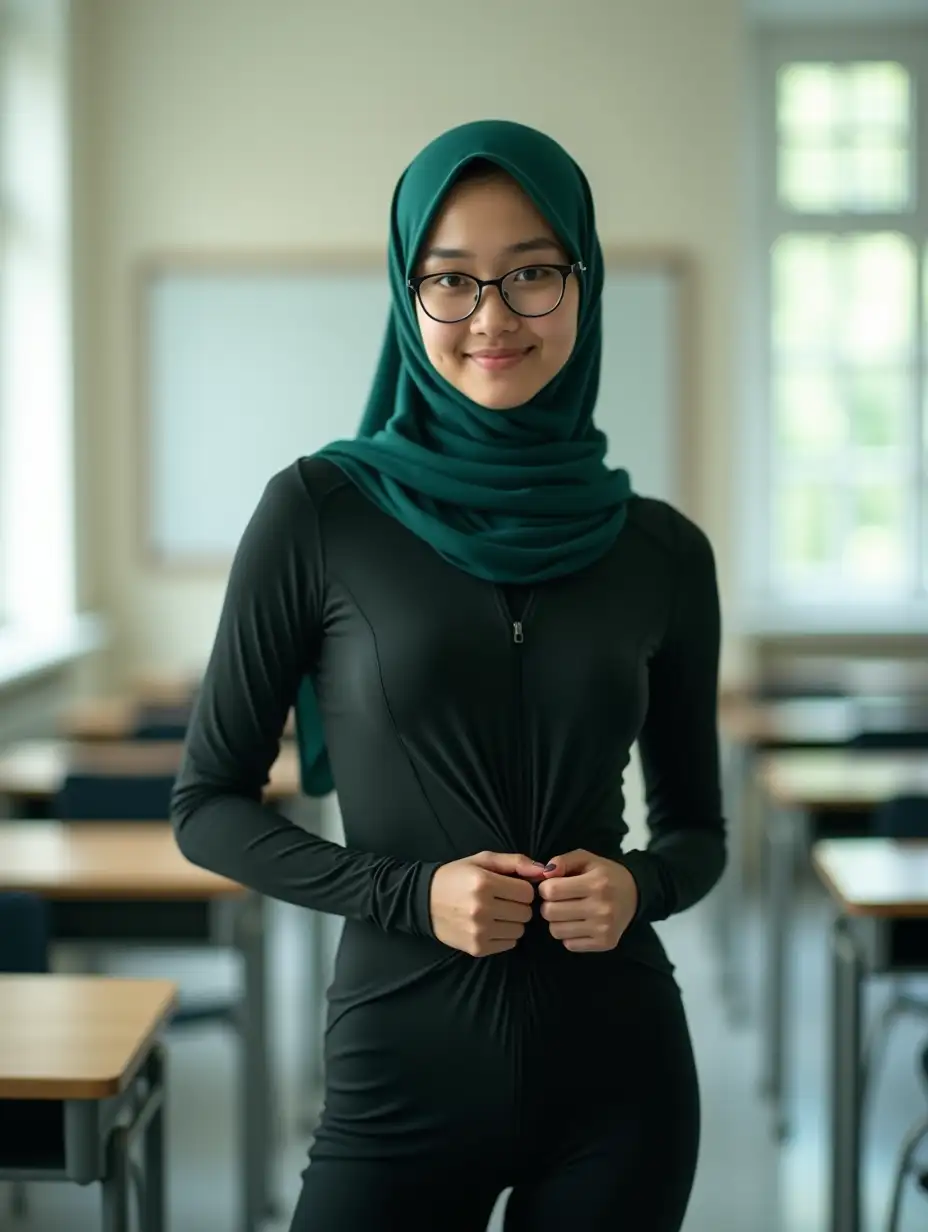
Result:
[{"x": 262, "y": 124}]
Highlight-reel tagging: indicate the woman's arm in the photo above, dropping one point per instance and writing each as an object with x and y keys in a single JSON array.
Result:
[
  {"x": 268, "y": 636},
  {"x": 678, "y": 744}
]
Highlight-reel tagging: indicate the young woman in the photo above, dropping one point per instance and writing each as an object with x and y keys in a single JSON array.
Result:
[{"x": 479, "y": 619}]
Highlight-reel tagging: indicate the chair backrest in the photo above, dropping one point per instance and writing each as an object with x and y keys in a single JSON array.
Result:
[
  {"x": 903, "y": 816},
  {"x": 159, "y": 722},
  {"x": 24, "y": 934},
  {"x": 115, "y": 797},
  {"x": 889, "y": 740}
]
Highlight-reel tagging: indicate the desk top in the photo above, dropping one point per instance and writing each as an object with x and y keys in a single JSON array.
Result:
[
  {"x": 76, "y": 1037},
  {"x": 106, "y": 859},
  {"x": 875, "y": 876},
  {"x": 36, "y": 769},
  {"x": 807, "y": 720},
  {"x": 841, "y": 778},
  {"x": 116, "y": 718},
  {"x": 819, "y": 720}
]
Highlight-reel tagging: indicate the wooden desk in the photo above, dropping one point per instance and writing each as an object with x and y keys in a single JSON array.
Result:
[
  {"x": 36, "y": 769},
  {"x": 163, "y": 687},
  {"x": 127, "y": 884},
  {"x": 797, "y": 783},
  {"x": 878, "y": 877},
  {"x": 86, "y": 1048},
  {"x": 750, "y": 727},
  {"x": 800, "y": 721},
  {"x": 116, "y": 718},
  {"x": 840, "y": 778},
  {"x": 104, "y": 860},
  {"x": 872, "y": 882}
]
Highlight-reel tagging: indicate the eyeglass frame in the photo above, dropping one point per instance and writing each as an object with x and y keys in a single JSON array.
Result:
[{"x": 413, "y": 285}]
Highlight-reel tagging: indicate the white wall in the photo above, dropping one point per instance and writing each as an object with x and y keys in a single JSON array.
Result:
[{"x": 256, "y": 124}]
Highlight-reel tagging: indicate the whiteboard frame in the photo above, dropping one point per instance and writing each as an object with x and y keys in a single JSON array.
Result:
[{"x": 669, "y": 260}]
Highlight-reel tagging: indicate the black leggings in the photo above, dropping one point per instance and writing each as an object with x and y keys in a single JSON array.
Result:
[{"x": 599, "y": 1134}]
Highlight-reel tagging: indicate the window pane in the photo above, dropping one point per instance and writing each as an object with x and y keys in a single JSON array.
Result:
[
  {"x": 875, "y": 176},
  {"x": 807, "y": 98},
  {"x": 878, "y": 93},
  {"x": 808, "y": 414},
  {"x": 875, "y": 549},
  {"x": 806, "y": 522},
  {"x": 877, "y": 401},
  {"x": 809, "y": 177},
  {"x": 844, "y": 137},
  {"x": 852, "y": 298},
  {"x": 819, "y": 409}
]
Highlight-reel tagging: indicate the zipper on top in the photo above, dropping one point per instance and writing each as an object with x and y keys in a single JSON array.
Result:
[{"x": 517, "y": 634}]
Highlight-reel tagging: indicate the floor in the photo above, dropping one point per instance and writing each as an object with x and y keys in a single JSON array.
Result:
[{"x": 744, "y": 1182}]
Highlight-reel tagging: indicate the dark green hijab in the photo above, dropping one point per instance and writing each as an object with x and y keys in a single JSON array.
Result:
[{"x": 522, "y": 495}]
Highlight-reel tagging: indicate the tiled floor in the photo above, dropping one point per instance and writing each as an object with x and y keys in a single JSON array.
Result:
[{"x": 744, "y": 1184}]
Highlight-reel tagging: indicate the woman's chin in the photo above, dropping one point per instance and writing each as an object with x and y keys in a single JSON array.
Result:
[{"x": 499, "y": 395}]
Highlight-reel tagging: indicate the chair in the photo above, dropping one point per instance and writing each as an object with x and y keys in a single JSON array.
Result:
[
  {"x": 878, "y": 738},
  {"x": 162, "y": 722},
  {"x": 24, "y": 934},
  {"x": 24, "y": 944},
  {"x": 133, "y": 797},
  {"x": 907, "y": 1165},
  {"x": 114, "y": 797}
]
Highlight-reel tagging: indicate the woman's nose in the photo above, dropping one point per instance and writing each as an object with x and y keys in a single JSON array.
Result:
[{"x": 493, "y": 314}]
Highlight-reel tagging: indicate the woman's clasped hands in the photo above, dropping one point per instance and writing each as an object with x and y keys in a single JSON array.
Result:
[{"x": 482, "y": 903}]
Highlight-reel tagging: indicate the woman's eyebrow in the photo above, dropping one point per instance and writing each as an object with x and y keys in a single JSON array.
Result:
[{"x": 539, "y": 243}]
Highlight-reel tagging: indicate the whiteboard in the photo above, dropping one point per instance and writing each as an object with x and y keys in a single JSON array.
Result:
[{"x": 245, "y": 369}]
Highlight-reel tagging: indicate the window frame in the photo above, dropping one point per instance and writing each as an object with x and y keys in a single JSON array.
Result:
[{"x": 760, "y": 608}]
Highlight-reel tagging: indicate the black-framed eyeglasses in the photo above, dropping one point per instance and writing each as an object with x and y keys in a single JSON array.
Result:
[{"x": 530, "y": 291}]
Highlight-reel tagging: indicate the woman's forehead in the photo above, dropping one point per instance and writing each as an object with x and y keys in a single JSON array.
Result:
[{"x": 489, "y": 215}]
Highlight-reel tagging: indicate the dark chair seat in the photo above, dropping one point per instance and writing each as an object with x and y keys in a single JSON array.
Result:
[{"x": 115, "y": 797}]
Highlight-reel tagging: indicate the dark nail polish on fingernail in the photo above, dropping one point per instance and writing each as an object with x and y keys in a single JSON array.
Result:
[
  {"x": 539, "y": 863},
  {"x": 550, "y": 867}
]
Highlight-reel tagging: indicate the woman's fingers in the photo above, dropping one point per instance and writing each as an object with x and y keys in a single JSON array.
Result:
[
  {"x": 571, "y": 930},
  {"x": 569, "y": 909},
  {"x": 508, "y": 909}
]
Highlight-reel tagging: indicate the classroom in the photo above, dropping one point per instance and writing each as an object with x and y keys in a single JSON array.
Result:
[{"x": 463, "y": 722}]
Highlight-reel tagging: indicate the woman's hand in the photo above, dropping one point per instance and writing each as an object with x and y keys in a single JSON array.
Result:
[
  {"x": 481, "y": 904},
  {"x": 589, "y": 901}
]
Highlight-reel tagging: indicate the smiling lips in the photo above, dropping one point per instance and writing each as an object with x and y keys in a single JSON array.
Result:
[{"x": 498, "y": 358}]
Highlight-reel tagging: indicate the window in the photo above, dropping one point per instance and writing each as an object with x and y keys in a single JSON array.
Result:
[
  {"x": 36, "y": 482},
  {"x": 842, "y": 455}
]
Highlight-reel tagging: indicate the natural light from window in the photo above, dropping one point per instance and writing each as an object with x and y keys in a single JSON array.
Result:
[{"x": 847, "y": 473}]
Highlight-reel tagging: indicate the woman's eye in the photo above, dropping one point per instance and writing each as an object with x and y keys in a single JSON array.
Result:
[
  {"x": 451, "y": 282},
  {"x": 534, "y": 273}
]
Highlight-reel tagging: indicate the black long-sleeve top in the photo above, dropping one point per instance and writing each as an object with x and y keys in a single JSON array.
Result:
[{"x": 460, "y": 716}]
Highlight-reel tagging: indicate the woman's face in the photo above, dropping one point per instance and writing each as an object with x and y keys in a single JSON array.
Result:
[{"x": 486, "y": 228}]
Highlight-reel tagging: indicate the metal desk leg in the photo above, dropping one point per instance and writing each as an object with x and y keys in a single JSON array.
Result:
[
  {"x": 154, "y": 1211},
  {"x": 732, "y": 899},
  {"x": 846, "y": 1033},
  {"x": 115, "y": 1185},
  {"x": 780, "y": 838},
  {"x": 255, "y": 1127}
]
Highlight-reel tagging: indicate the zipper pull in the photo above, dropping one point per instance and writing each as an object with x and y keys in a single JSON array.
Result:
[{"x": 517, "y": 636}]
